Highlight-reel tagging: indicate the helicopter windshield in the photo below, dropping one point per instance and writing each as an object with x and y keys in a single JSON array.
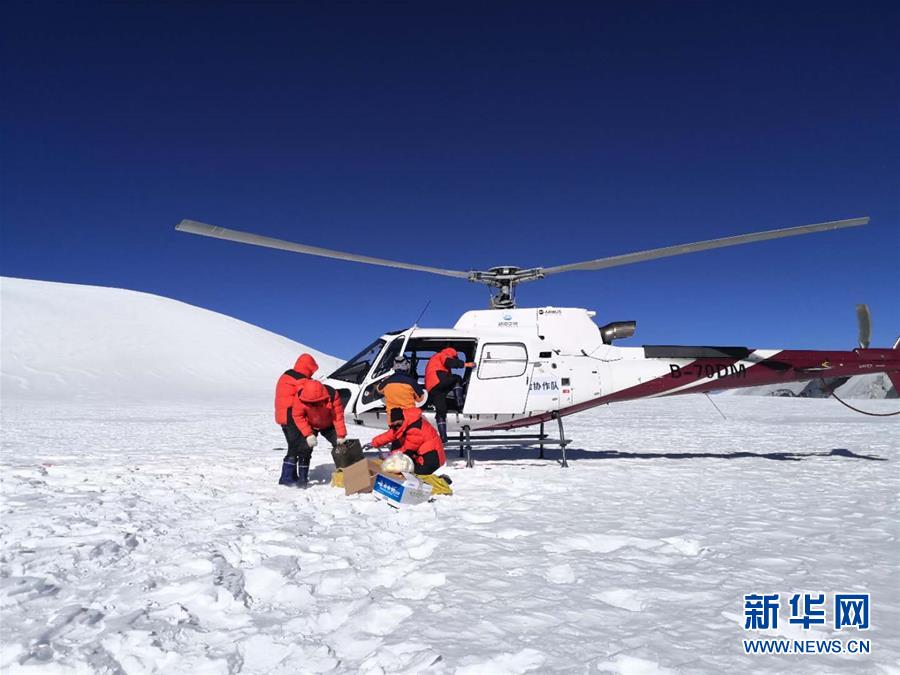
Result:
[{"x": 356, "y": 369}]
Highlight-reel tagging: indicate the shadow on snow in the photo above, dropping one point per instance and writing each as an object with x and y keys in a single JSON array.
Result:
[{"x": 513, "y": 453}]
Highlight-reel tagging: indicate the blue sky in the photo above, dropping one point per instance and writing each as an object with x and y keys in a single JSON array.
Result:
[{"x": 462, "y": 135}]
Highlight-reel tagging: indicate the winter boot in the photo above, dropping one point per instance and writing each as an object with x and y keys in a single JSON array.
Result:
[
  {"x": 460, "y": 395},
  {"x": 288, "y": 472},
  {"x": 442, "y": 428},
  {"x": 302, "y": 475}
]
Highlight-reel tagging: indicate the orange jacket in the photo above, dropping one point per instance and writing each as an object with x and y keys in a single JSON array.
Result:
[
  {"x": 289, "y": 383},
  {"x": 317, "y": 407},
  {"x": 400, "y": 391},
  {"x": 415, "y": 434},
  {"x": 443, "y": 361}
]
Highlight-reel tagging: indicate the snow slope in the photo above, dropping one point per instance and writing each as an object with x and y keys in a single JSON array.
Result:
[
  {"x": 874, "y": 386},
  {"x": 65, "y": 342},
  {"x": 868, "y": 386}
]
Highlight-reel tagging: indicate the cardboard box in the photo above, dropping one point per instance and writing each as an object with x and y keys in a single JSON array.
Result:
[
  {"x": 360, "y": 476},
  {"x": 401, "y": 490}
]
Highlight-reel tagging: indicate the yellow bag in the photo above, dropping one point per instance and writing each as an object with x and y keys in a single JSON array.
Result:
[
  {"x": 337, "y": 478},
  {"x": 438, "y": 485}
]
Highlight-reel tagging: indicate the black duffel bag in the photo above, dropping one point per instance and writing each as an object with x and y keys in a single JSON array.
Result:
[{"x": 347, "y": 453}]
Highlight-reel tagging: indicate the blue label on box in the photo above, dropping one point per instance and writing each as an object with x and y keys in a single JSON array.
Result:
[{"x": 388, "y": 488}]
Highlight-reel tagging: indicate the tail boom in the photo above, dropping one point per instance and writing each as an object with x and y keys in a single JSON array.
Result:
[
  {"x": 697, "y": 370},
  {"x": 776, "y": 367}
]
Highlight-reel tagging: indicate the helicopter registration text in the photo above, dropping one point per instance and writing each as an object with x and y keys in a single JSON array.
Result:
[{"x": 708, "y": 370}]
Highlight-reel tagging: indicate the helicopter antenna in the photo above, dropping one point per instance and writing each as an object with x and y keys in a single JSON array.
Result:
[
  {"x": 503, "y": 280},
  {"x": 422, "y": 313}
]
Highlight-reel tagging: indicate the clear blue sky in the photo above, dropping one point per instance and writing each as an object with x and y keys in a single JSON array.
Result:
[{"x": 462, "y": 135}]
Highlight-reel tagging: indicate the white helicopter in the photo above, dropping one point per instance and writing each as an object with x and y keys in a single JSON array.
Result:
[{"x": 540, "y": 364}]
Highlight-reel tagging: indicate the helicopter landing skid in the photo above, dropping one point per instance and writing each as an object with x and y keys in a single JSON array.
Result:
[{"x": 466, "y": 442}]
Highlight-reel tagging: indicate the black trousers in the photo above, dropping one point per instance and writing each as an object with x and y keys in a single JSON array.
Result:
[
  {"x": 438, "y": 394},
  {"x": 293, "y": 437},
  {"x": 430, "y": 463},
  {"x": 298, "y": 450}
]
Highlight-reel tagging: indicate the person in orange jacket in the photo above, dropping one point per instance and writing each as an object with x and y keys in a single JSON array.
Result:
[
  {"x": 440, "y": 381},
  {"x": 317, "y": 409},
  {"x": 402, "y": 389},
  {"x": 291, "y": 382},
  {"x": 411, "y": 434}
]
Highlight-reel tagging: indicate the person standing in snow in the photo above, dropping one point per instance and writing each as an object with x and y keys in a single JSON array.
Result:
[
  {"x": 316, "y": 409},
  {"x": 402, "y": 389},
  {"x": 440, "y": 381},
  {"x": 290, "y": 382},
  {"x": 412, "y": 435}
]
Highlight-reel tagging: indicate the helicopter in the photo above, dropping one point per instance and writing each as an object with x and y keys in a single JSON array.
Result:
[{"x": 533, "y": 365}]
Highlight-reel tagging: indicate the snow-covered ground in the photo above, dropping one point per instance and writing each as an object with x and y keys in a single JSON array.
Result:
[
  {"x": 154, "y": 539},
  {"x": 145, "y": 533}
]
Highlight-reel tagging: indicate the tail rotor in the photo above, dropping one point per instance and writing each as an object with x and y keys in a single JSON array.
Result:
[{"x": 864, "y": 322}]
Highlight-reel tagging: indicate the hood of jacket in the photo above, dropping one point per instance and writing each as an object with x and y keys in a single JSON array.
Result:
[
  {"x": 306, "y": 365},
  {"x": 313, "y": 392}
]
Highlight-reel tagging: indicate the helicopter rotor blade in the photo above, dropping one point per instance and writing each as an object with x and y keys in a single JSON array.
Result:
[
  {"x": 193, "y": 227},
  {"x": 668, "y": 251}
]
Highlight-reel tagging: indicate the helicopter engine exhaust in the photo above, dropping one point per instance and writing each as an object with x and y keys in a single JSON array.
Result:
[{"x": 617, "y": 330}]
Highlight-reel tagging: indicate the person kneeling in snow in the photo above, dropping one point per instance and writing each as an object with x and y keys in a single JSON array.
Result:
[
  {"x": 411, "y": 434},
  {"x": 316, "y": 409}
]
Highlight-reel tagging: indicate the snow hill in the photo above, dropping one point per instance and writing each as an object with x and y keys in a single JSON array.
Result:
[
  {"x": 874, "y": 386},
  {"x": 68, "y": 342}
]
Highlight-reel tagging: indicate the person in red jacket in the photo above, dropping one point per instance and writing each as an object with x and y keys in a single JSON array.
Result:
[
  {"x": 412, "y": 435},
  {"x": 440, "y": 381},
  {"x": 291, "y": 382},
  {"x": 316, "y": 409}
]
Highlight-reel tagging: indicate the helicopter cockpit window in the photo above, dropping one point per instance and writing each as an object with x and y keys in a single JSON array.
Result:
[
  {"x": 502, "y": 360},
  {"x": 385, "y": 364},
  {"x": 356, "y": 369},
  {"x": 387, "y": 359}
]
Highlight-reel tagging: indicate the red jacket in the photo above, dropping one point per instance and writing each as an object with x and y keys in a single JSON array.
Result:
[
  {"x": 443, "y": 361},
  {"x": 290, "y": 383},
  {"x": 317, "y": 407},
  {"x": 415, "y": 434}
]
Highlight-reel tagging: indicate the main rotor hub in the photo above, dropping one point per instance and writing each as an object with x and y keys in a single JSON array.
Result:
[
  {"x": 504, "y": 280},
  {"x": 504, "y": 270}
]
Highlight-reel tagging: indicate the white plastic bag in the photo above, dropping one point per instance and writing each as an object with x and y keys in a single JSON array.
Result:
[{"x": 398, "y": 463}]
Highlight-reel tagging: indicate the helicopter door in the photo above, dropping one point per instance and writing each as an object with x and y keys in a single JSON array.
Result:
[
  {"x": 370, "y": 399},
  {"x": 500, "y": 383},
  {"x": 545, "y": 390}
]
